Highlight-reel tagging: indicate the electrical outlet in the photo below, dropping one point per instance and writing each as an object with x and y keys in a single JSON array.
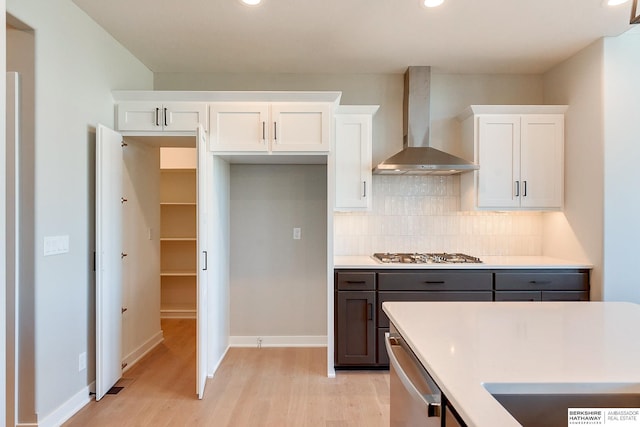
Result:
[
  {"x": 82, "y": 361},
  {"x": 297, "y": 233}
]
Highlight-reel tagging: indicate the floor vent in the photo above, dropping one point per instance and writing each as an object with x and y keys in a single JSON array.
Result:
[{"x": 114, "y": 390}]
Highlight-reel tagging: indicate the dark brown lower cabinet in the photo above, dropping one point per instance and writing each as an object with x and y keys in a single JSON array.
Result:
[
  {"x": 356, "y": 328},
  {"x": 360, "y": 323},
  {"x": 542, "y": 285}
]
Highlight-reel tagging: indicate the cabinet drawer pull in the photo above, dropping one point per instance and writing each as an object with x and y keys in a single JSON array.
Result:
[
  {"x": 165, "y": 117},
  {"x": 369, "y": 311},
  {"x": 434, "y": 282},
  {"x": 157, "y": 116},
  {"x": 539, "y": 282},
  {"x": 356, "y": 282}
]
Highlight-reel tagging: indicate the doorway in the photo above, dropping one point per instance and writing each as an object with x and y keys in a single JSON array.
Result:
[
  {"x": 20, "y": 241},
  {"x": 143, "y": 203}
]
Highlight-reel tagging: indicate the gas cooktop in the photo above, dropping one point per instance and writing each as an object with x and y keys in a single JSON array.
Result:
[{"x": 426, "y": 258}]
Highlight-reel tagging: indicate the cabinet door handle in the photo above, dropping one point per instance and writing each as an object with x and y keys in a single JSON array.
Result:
[
  {"x": 524, "y": 189},
  {"x": 364, "y": 189},
  {"x": 264, "y": 131},
  {"x": 165, "y": 116},
  {"x": 369, "y": 311},
  {"x": 434, "y": 282},
  {"x": 157, "y": 116},
  {"x": 275, "y": 131},
  {"x": 205, "y": 259},
  {"x": 517, "y": 187}
]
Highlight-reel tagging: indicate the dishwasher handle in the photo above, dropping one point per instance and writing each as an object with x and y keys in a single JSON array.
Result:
[{"x": 431, "y": 401}]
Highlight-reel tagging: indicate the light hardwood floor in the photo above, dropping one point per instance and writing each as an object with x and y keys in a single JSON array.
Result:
[{"x": 252, "y": 387}]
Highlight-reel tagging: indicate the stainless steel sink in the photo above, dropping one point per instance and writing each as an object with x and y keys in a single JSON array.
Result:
[{"x": 546, "y": 405}]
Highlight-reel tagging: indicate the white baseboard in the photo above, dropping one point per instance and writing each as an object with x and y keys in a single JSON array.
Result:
[
  {"x": 137, "y": 354},
  {"x": 64, "y": 411},
  {"x": 218, "y": 363},
  {"x": 278, "y": 341},
  {"x": 177, "y": 314}
]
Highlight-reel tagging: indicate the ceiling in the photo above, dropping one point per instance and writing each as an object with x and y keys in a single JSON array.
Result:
[{"x": 356, "y": 36}]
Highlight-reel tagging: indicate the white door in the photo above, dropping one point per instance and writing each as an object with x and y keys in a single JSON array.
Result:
[
  {"x": 202, "y": 312},
  {"x": 300, "y": 126},
  {"x": 108, "y": 259},
  {"x": 239, "y": 126},
  {"x": 499, "y": 159},
  {"x": 542, "y": 160},
  {"x": 183, "y": 116},
  {"x": 140, "y": 116},
  {"x": 353, "y": 161}
]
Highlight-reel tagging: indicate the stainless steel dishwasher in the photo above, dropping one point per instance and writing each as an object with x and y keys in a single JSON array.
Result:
[{"x": 415, "y": 398}]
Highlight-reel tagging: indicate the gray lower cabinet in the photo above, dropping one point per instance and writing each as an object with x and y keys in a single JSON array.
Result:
[{"x": 360, "y": 323}]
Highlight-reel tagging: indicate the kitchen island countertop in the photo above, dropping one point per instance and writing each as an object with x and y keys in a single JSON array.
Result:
[
  {"x": 467, "y": 346},
  {"x": 488, "y": 262}
]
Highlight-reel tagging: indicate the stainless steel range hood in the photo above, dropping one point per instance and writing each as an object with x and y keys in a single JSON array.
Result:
[{"x": 417, "y": 158}]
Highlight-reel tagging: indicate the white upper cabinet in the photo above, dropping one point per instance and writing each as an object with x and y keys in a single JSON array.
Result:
[
  {"x": 239, "y": 126},
  {"x": 353, "y": 184},
  {"x": 520, "y": 151},
  {"x": 270, "y": 127},
  {"x": 144, "y": 116}
]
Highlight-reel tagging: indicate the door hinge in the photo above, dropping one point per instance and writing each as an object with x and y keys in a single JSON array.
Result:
[
  {"x": 122, "y": 200},
  {"x": 122, "y": 255},
  {"x": 123, "y": 144},
  {"x": 124, "y": 365},
  {"x": 123, "y": 309}
]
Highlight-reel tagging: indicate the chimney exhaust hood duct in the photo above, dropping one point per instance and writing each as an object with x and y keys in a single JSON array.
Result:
[{"x": 417, "y": 158}]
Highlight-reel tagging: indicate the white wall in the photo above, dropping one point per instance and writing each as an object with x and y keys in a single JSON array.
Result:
[
  {"x": 77, "y": 66},
  {"x": 577, "y": 233},
  {"x": 621, "y": 180},
  {"x": 278, "y": 284}
]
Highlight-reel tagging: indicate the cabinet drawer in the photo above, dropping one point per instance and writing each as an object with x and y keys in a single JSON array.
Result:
[
  {"x": 436, "y": 281},
  {"x": 542, "y": 281},
  {"x": 356, "y": 281},
  {"x": 565, "y": 295},
  {"x": 518, "y": 296},
  {"x": 383, "y": 320}
]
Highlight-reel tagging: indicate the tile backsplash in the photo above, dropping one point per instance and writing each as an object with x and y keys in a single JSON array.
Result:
[{"x": 422, "y": 214}]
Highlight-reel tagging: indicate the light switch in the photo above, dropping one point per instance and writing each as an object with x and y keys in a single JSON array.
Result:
[
  {"x": 297, "y": 233},
  {"x": 54, "y": 245}
]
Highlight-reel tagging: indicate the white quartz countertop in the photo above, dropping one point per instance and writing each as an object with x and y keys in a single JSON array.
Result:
[
  {"x": 488, "y": 262},
  {"x": 520, "y": 346}
]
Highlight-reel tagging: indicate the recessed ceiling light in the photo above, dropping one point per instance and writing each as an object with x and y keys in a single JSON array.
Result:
[
  {"x": 251, "y": 2},
  {"x": 432, "y": 3},
  {"x": 615, "y": 2}
]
